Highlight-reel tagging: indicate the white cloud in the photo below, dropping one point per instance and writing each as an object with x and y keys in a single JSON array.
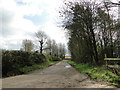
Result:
[
  {"x": 55, "y": 33},
  {"x": 22, "y": 25},
  {"x": 28, "y": 9},
  {"x": 16, "y": 28},
  {"x": 3, "y": 44}
]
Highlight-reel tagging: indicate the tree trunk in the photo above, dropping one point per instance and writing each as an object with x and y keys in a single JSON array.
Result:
[
  {"x": 95, "y": 47},
  {"x": 41, "y": 46}
]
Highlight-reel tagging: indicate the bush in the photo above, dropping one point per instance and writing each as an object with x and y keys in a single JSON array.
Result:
[
  {"x": 55, "y": 58},
  {"x": 6, "y": 62},
  {"x": 38, "y": 58},
  {"x": 12, "y": 61},
  {"x": 49, "y": 57}
]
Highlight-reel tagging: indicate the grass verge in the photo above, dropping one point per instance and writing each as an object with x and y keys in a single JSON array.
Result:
[
  {"x": 27, "y": 69},
  {"x": 97, "y": 73}
]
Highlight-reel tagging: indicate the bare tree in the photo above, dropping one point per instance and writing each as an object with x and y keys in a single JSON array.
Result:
[
  {"x": 42, "y": 39},
  {"x": 49, "y": 46},
  {"x": 62, "y": 50},
  {"x": 27, "y": 45}
]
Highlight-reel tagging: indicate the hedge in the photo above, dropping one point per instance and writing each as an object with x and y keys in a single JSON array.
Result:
[{"x": 12, "y": 61}]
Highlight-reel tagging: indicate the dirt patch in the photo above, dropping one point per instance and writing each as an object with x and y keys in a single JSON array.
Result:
[{"x": 60, "y": 75}]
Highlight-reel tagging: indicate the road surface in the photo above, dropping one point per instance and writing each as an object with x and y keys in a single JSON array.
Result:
[{"x": 60, "y": 75}]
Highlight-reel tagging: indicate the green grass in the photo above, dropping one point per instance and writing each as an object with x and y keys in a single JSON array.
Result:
[
  {"x": 65, "y": 60},
  {"x": 53, "y": 62},
  {"x": 27, "y": 69},
  {"x": 97, "y": 73}
]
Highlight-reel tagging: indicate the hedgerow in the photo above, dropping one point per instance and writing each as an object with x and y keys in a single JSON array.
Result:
[{"x": 12, "y": 61}]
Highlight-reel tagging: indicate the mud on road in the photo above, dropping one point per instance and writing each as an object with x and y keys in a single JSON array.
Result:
[{"x": 60, "y": 75}]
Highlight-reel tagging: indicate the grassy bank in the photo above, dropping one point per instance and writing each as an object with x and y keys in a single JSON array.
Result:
[
  {"x": 27, "y": 69},
  {"x": 97, "y": 73}
]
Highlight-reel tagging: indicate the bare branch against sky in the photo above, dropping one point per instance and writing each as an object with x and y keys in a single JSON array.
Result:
[{"x": 20, "y": 19}]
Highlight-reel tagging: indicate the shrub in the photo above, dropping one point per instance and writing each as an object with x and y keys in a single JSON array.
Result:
[
  {"x": 6, "y": 62},
  {"x": 55, "y": 58},
  {"x": 12, "y": 61},
  {"x": 49, "y": 57},
  {"x": 38, "y": 58}
]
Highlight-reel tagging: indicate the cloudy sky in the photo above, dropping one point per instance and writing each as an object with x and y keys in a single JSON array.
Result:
[{"x": 20, "y": 19}]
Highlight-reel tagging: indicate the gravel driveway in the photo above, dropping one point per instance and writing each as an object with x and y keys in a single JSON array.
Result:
[{"x": 60, "y": 75}]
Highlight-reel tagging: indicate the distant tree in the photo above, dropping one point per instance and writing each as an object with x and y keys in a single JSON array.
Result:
[
  {"x": 42, "y": 39},
  {"x": 54, "y": 48},
  {"x": 62, "y": 50},
  {"x": 27, "y": 45},
  {"x": 48, "y": 48}
]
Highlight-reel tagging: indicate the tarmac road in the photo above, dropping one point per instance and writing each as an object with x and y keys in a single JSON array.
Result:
[{"x": 60, "y": 75}]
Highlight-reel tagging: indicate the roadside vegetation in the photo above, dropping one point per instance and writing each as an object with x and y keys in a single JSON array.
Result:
[
  {"x": 94, "y": 34},
  {"x": 43, "y": 53},
  {"x": 97, "y": 73},
  {"x": 27, "y": 69},
  {"x": 21, "y": 62}
]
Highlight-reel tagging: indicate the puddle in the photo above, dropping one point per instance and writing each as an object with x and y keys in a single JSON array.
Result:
[{"x": 68, "y": 66}]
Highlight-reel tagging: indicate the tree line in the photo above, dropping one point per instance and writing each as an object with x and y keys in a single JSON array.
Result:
[
  {"x": 16, "y": 62},
  {"x": 93, "y": 32},
  {"x": 45, "y": 45}
]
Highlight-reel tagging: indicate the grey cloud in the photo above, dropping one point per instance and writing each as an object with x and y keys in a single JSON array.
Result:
[
  {"x": 5, "y": 20},
  {"x": 31, "y": 34},
  {"x": 6, "y": 16},
  {"x": 13, "y": 46}
]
